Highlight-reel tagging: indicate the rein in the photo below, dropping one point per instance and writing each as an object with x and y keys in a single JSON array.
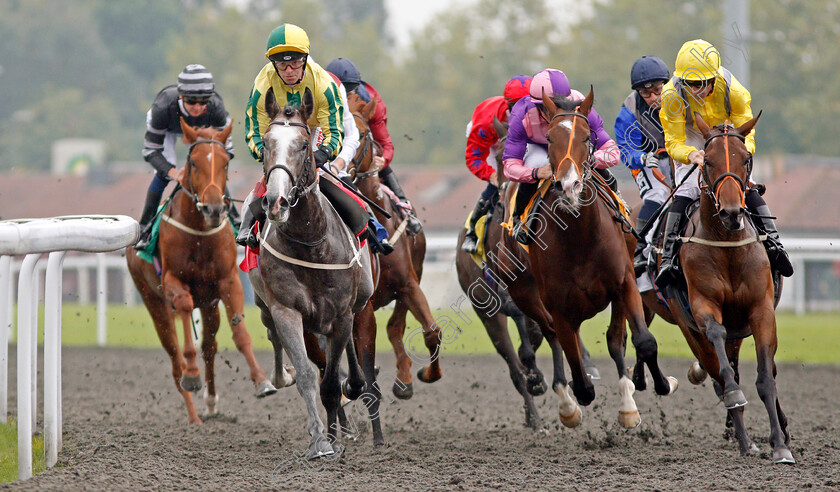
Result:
[
  {"x": 714, "y": 189},
  {"x": 296, "y": 192}
]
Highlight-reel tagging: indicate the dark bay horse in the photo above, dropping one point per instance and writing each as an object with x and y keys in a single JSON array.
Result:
[
  {"x": 493, "y": 305},
  {"x": 312, "y": 276},
  {"x": 580, "y": 262},
  {"x": 730, "y": 285},
  {"x": 401, "y": 270},
  {"x": 198, "y": 268}
]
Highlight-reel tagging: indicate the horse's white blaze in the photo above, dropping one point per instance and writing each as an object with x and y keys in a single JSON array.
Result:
[
  {"x": 567, "y": 124},
  {"x": 280, "y": 182}
]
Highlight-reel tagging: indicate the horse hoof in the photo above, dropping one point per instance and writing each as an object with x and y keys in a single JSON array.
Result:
[
  {"x": 319, "y": 449},
  {"x": 191, "y": 383},
  {"x": 537, "y": 389},
  {"x": 572, "y": 420},
  {"x": 378, "y": 442},
  {"x": 592, "y": 372},
  {"x": 673, "y": 384},
  {"x": 403, "y": 391},
  {"x": 629, "y": 420},
  {"x": 734, "y": 399},
  {"x": 422, "y": 377},
  {"x": 265, "y": 388},
  {"x": 351, "y": 392},
  {"x": 696, "y": 374},
  {"x": 783, "y": 456}
]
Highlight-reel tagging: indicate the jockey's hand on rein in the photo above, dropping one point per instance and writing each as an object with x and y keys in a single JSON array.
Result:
[
  {"x": 321, "y": 157},
  {"x": 696, "y": 157},
  {"x": 650, "y": 160}
]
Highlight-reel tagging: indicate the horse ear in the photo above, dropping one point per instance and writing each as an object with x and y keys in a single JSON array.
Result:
[
  {"x": 369, "y": 109},
  {"x": 223, "y": 135},
  {"x": 308, "y": 104},
  {"x": 190, "y": 133},
  {"x": 586, "y": 106},
  {"x": 271, "y": 106},
  {"x": 702, "y": 126},
  {"x": 548, "y": 106},
  {"x": 501, "y": 128},
  {"x": 747, "y": 127}
]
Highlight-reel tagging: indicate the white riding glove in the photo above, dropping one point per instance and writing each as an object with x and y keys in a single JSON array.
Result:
[{"x": 650, "y": 160}]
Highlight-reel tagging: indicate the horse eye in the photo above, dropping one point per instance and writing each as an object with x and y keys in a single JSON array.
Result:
[{"x": 548, "y": 138}]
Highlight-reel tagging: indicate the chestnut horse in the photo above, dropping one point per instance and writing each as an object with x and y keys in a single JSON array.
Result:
[
  {"x": 198, "y": 268},
  {"x": 580, "y": 262},
  {"x": 401, "y": 270},
  {"x": 486, "y": 291},
  {"x": 730, "y": 285},
  {"x": 312, "y": 276}
]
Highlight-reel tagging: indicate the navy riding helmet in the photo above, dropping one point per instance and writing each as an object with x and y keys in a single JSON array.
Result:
[
  {"x": 346, "y": 72},
  {"x": 647, "y": 70}
]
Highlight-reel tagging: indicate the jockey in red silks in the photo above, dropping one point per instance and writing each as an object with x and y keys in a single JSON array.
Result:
[
  {"x": 482, "y": 145},
  {"x": 526, "y": 150},
  {"x": 347, "y": 72}
]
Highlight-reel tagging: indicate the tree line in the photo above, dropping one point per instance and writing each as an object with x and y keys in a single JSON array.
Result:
[{"x": 90, "y": 69}]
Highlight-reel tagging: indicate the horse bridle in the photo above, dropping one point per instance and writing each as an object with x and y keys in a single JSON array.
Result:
[
  {"x": 296, "y": 192},
  {"x": 198, "y": 198},
  {"x": 369, "y": 146},
  {"x": 587, "y": 164},
  {"x": 714, "y": 188}
]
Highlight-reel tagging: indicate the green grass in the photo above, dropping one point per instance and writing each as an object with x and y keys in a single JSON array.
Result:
[
  {"x": 8, "y": 453},
  {"x": 812, "y": 338}
]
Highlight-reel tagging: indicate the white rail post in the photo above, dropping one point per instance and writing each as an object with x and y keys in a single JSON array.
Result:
[
  {"x": 34, "y": 307},
  {"x": 52, "y": 344},
  {"x": 101, "y": 299},
  {"x": 24, "y": 366},
  {"x": 5, "y": 327}
]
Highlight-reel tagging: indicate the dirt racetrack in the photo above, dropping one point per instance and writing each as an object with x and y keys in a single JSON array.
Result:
[{"x": 125, "y": 428}]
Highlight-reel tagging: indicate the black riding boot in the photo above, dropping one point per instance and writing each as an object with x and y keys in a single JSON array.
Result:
[
  {"x": 470, "y": 244},
  {"x": 252, "y": 211},
  {"x": 389, "y": 178},
  {"x": 639, "y": 260},
  {"x": 523, "y": 196},
  {"x": 609, "y": 178},
  {"x": 668, "y": 271},
  {"x": 764, "y": 220},
  {"x": 146, "y": 222}
]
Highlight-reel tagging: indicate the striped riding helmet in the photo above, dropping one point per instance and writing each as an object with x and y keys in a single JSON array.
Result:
[
  {"x": 195, "y": 80},
  {"x": 517, "y": 88},
  {"x": 287, "y": 42}
]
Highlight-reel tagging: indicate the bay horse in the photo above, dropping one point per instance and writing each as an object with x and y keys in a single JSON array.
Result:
[
  {"x": 580, "y": 261},
  {"x": 730, "y": 285},
  {"x": 313, "y": 275},
  {"x": 198, "y": 268},
  {"x": 400, "y": 273},
  {"x": 493, "y": 305}
]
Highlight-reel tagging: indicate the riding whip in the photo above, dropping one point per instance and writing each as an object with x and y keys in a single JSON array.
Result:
[{"x": 643, "y": 232}]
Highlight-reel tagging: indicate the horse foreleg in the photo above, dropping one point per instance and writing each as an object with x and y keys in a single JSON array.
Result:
[
  {"x": 733, "y": 397},
  {"x": 403, "y": 387},
  {"x": 628, "y": 412},
  {"x": 766, "y": 343},
  {"x": 230, "y": 291},
  {"x": 330, "y": 386},
  {"x": 181, "y": 300},
  {"x": 364, "y": 338},
  {"x": 529, "y": 332},
  {"x": 210, "y": 324},
  {"x": 290, "y": 334},
  {"x": 416, "y": 302},
  {"x": 643, "y": 340},
  {"x": 496, "y": 327}
]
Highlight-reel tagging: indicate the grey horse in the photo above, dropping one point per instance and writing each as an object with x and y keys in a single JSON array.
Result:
[{"x": 312, "y": 274}]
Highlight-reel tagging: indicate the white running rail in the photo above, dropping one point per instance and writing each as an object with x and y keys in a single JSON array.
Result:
[{"x": 33, "y": 237}]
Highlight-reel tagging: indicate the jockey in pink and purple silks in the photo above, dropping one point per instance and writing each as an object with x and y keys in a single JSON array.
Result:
[{"x": 526, "y": 150}]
